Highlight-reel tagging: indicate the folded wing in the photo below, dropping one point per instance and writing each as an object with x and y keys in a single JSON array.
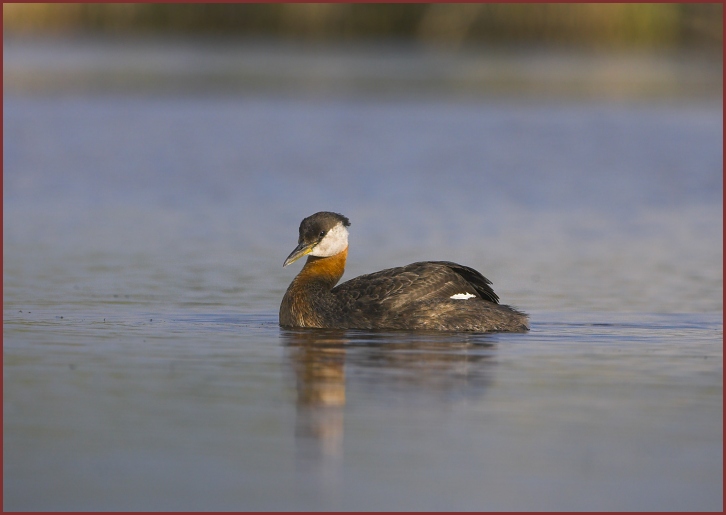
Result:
[{"x": 395, "y": 288}]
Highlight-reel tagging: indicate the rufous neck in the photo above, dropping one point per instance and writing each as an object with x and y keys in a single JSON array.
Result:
[{"x": 327, "y": 269}]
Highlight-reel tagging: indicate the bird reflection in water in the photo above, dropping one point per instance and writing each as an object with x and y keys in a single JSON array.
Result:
[
  {"x": 408, "y": 367},
  {"x": 318, "y": 359}
]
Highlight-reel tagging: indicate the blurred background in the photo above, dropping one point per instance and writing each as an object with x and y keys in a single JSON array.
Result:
[
  {"x": 462, "y": 48},
  {"x": 551, "y": 145},
  {"x": 606, "y": 26}
]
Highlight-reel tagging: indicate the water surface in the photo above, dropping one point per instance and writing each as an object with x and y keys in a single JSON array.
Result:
[{"x": 143, "y": 236}]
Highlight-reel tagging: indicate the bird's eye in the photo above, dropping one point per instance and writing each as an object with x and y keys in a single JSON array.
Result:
[{"x": 322, "y": 233}]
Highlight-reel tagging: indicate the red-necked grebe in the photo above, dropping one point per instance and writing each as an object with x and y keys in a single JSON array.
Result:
[{"x": 429, "y": 295}]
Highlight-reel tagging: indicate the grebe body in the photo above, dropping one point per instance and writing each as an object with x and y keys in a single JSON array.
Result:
[{"x": 428, "y": 295}]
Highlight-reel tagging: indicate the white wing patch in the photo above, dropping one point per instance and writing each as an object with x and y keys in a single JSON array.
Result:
[{"x": 462, "y": 296}]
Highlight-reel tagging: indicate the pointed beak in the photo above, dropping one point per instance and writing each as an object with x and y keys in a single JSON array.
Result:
[{"x": 301, "y": 250}]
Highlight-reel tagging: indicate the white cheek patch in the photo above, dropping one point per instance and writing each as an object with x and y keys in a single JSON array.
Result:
[
  {"x": 335, "y": 242},
  {"x": 462, "y": 296}
]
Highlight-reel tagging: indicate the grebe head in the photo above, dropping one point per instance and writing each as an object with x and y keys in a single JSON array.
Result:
[{"x": 323, "y": 234}]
